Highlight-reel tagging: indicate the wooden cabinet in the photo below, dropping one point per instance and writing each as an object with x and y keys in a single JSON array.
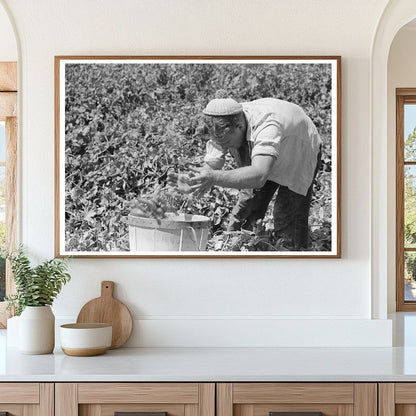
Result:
[
  {"x": 221, "y": 399},
  {"x": 397, "y": 399},
  {"x": 264, "y": 399},
  {"x": 107, "y": 399},
  {"x": 27, "y": 399},
  {"x": 208, "y": 399}
]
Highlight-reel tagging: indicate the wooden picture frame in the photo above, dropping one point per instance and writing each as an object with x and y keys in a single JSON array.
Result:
[{"x": 124, "y": 123}]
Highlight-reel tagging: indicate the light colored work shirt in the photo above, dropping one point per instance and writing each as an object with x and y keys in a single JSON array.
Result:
[{"x": 280, "y": 129}]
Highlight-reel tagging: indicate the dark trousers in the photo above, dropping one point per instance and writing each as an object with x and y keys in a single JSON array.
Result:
[{"x": 290, "y": 212}]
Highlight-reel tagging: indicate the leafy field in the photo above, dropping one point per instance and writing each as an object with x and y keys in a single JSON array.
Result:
[{"x": 126, "y": 125}]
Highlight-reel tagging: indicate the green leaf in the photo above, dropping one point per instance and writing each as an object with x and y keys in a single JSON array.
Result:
[{"x": 35, "y": 286}]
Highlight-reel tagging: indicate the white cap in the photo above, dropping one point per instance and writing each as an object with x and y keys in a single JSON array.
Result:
[{"x": 221, "y": 106}]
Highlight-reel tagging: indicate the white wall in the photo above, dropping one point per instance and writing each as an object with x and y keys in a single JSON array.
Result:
[
  {"x": 211, "y": 301},
  {"x": 8, "y": 46},
  {"x": 401, "y": 74}
]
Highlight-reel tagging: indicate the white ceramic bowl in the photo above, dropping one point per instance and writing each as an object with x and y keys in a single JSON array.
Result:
[{"x": 85, "y": 339}]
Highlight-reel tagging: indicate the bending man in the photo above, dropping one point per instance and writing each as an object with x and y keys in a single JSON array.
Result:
[{"x": 276, "y": 147}]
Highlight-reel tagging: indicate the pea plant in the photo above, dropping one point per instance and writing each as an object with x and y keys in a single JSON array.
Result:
[{"x": 127, "y": 125}]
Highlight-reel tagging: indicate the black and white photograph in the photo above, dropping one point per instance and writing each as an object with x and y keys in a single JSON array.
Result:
[{"x": 197, "y": 157}]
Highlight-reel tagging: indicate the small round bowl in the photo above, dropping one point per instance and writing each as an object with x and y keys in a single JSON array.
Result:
[{"x": 83, "y": 340}]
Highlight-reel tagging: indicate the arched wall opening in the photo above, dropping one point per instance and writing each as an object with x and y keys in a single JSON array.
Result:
[
  {"x": 401, "y": 74},
  {"x": 396, "y": 15}
]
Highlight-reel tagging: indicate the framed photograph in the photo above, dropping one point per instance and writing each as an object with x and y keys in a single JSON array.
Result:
[{"x": 198, "y": 156}]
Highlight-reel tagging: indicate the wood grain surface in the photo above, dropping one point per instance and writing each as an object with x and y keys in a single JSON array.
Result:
[
  {"x": 109, "y": 310},
  {"x": 252, "y": 393},
  {"x": 22, "y": 393},
  {"x": 365, "y": 399},
  {"x": 66, "y": 399},
  {"x": 386, "y": 399},
  {"x": 8, "y": 105},
  {"x": 8, "y": 76},
  {"x": 170, "y": 393}
]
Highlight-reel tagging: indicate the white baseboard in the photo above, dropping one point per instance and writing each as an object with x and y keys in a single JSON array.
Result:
[{"x": 255, "y": 332}]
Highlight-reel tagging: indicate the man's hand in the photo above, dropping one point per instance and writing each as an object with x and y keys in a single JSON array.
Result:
[
  {"x": 247, "y": 177},
  {"x": 202, "y": 180},
  {"x": 180, "y": 181}
]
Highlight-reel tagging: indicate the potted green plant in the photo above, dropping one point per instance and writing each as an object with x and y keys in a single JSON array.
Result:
[{"x": 36, "y": 289}]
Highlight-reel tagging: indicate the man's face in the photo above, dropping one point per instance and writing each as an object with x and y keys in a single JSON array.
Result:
[{"x": 231, "y": 136}]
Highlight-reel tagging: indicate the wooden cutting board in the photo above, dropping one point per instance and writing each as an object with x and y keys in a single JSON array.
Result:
[{"x": 109, "y": 310}]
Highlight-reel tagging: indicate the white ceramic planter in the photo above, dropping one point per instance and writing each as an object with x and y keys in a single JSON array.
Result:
[
  {"x": 37, "y": 330},
  {"x": 12, "y": 334}
]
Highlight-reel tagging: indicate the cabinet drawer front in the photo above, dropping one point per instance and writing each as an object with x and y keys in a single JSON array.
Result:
[
  {"x": 341, "y": 393},
  {"x": 112, "y": 409},
  {"x": 19, "y": 393},
  {"x": 293, "y": 409},
  {"x": 138, "y": 393},
  {"x": 11, "y": 409},
  {"x": 405, "y": 393}
]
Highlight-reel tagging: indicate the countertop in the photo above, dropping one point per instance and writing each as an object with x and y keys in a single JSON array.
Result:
[
  {"x": 222, "y": 364},
  {"x": 215, "y": 364}
]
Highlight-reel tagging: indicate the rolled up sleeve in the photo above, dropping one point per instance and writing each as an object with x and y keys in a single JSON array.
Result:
[
  {"x": 267, "y": 142},
  {"x": 215, "y": 155}
]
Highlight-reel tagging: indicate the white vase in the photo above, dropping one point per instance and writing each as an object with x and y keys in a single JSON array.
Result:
[
  {"x": 37, "y": 330},
  {"x": 12, "y": 334}
]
